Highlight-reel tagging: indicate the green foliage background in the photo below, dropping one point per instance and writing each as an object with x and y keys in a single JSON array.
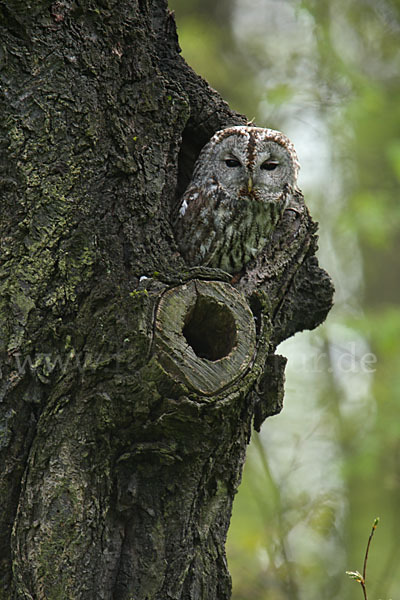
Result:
[{"x": 326, "y": 73}]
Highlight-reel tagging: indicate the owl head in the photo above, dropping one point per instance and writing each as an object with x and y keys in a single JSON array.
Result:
[{"x": 251, "y": 159}]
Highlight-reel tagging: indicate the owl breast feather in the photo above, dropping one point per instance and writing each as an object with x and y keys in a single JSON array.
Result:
[
  {"x": 217, "y": 231},
  {"x": 242, "y": 231}
]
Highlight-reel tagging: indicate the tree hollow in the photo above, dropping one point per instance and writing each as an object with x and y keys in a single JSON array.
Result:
[
  {"x": 210, "y": 329},
  {"x": 204, "y": 335}
]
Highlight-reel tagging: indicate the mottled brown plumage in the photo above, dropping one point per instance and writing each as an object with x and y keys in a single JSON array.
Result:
[{"x": 242, "y": 182}]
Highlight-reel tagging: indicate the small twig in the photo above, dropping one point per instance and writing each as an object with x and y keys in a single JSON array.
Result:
[
  {"x": 368, "y": 545},
  {"x": 355, "y": 574},
  {"x": 364, "y": 589}
]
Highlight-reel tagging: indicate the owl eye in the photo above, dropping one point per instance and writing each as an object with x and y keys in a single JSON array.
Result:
[
  {"x": 269, "y": 165},
  {"x": 232, "y": 162}
]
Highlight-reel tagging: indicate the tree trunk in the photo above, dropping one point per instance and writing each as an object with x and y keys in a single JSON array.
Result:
[{"x": 129, "y": 383}]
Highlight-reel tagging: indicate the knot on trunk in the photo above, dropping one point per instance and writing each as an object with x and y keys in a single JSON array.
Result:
[{"x": 205, "y": 335}]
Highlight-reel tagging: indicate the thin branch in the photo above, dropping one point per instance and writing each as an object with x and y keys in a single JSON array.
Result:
[
  {"x": 374, "y": 526},
  {"x": 355, "y": 574}
]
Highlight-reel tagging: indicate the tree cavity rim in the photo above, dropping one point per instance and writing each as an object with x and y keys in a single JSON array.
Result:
[{"x": 204, "y": 335}]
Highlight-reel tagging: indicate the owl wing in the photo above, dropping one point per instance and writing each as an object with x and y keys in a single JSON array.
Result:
[{"x": 195, "y": 230}]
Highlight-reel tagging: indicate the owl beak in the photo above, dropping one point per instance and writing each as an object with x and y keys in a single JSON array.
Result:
[{"x": 250, "y": 184}]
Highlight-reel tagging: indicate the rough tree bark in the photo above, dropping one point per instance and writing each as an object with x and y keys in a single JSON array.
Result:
[{"x": 125, "y": 403}]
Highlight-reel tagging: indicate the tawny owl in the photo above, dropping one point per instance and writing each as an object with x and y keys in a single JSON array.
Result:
[{"x": 242, "y": 182}]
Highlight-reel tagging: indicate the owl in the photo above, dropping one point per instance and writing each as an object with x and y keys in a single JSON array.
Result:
[{"x": 242, "y": 182}]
